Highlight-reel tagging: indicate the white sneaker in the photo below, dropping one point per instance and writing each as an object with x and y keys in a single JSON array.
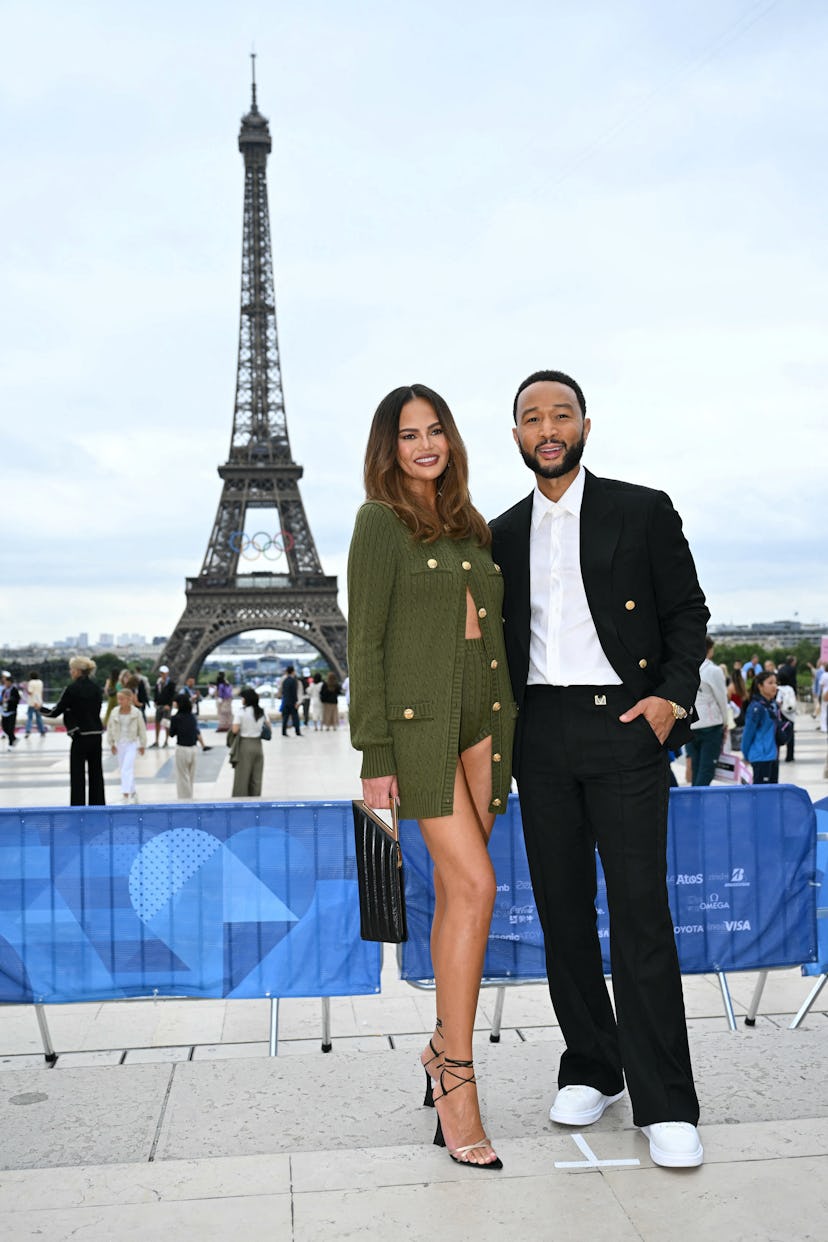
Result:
[
  {"x": 580, "y": 1105},
  {"x": 674, "y": 1144}
]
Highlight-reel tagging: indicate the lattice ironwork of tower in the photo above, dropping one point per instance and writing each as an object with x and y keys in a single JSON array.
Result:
[{"x": 261, "y": 569}]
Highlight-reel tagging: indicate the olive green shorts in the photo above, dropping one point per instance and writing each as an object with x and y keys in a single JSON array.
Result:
[{"x": 475, "y": 709}]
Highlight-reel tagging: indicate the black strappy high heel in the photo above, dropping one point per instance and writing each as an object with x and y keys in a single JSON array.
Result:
[
  {"x": 428, "y": 1102},
  {"x": 439, "y": 1140}
]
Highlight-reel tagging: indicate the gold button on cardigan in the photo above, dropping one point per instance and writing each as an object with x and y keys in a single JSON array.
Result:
[{"x": 406, "y": 650}]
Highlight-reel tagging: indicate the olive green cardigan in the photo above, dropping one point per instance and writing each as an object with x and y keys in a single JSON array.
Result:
[{"x": 406, "y": 635}]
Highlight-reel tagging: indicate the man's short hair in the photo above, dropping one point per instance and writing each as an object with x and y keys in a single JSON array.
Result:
[{"x": 553, "y": 377}]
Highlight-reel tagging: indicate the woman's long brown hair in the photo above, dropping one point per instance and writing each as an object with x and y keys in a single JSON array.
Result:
[{"x": 385, "y": 481}]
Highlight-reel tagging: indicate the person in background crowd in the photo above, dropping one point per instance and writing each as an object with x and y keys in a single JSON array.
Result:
[
  {"x": 80, "y": 707},
  {"x": 126, "y": 734},
  {"x": 224, "y": 703},
  {"x": 110, "y": 692},
  {"x": 786, "y": 702},
  {"x": 34, "y": 696},
  {"x": 191, "y": 690},
  {"x": 184, "y": 728},
  {"x": 329, "y": 697},
  {"x": 164, "y": 699},
  {"x": 314, "y": 693},
  {"x": 769, "y": 667},
  {"x": 786, "y": 673},
  {"x": 737, "y": 693},
  {"x": 708, "y": 731},
  {"x": 142, "y": 690},
  {"x": 816, "y": 687},
  {"x": 752, "y": 667},
  {"x": 9, "y": 700},
  {"x": 305, "y": 701},
  {"x": 290, "y": 700},
  {"x": 759, "y": 745},
  {"x": 247, "y": 775}
]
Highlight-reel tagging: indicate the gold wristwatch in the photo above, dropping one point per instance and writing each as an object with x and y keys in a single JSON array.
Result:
[{"x": 679, "y": 712}]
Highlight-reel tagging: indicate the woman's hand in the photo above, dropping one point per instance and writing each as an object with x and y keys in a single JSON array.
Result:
[
  {"x": 378, "y": 792},
  {"x": 114, "y": 749}
]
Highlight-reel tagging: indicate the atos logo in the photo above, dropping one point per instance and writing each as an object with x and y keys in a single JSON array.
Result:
[
  {"x": 690, "y": 879},
  {"x": 737, "y": 925}
]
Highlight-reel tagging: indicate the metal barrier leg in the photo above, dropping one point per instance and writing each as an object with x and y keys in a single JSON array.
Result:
[
  {"x": 46, "y": 1039},
  {"x": 494, "y": 1038},
  {"x": 326, "y": 1024},
  {"x": 274, "y": 1026},
  {"x": 750, "y": 1016},
  {"x": 812, "y": 995},
  {"x": 728, "y": 1003}
]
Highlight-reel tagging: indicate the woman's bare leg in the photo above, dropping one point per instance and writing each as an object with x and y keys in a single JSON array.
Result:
[
  {"x": 457, "y": 844},
  {"x": 431, "y": 1062}
]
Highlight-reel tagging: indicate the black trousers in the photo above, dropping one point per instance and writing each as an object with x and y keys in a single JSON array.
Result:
[
  {"x": 290, "y": 715},
  {"x": 585, "y": 779},
  {"x": 85, "y": 755},
  {"x": 9, "y": 724}
]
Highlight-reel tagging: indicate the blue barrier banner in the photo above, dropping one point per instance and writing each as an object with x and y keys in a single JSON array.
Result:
[
  {"x": 820, "y": 966},
  {"x": 740, "y": 865},
  {"x": 227, "y": 900}
]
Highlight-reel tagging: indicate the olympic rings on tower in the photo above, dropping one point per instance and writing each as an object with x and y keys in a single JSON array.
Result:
[{"x": 271, "y": 547}]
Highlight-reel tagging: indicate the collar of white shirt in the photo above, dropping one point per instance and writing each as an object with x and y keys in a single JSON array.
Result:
[{"x": 570, "y": 502}]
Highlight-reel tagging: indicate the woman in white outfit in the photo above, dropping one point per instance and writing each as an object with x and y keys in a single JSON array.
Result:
[
  {"x": 314, "y": 691},
  {"x": 126, "y": 733},
  {"x": 247, "y": 777}
]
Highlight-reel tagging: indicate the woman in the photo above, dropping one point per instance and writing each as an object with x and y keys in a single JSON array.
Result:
[
  {"x": 224, "y": 703},
  {"x": 80, "y": 707},
  {"x": 314, "y": 694},
  {"x": 184, "y": 728},
  {"x": 432, "y": 711},
  {"x": 329, "y": 698},
  {"x": 247, "y": 775},
  {"x": 759, "y": 744}
]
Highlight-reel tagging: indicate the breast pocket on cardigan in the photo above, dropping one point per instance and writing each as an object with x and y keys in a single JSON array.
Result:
[{"x": 410, "y": 711}]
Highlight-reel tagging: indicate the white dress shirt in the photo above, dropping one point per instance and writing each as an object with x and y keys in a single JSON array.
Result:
[{"x": 564, "y": 649}]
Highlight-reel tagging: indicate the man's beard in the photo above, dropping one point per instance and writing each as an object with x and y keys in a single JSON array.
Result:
[{"x": 568, "y": 462}]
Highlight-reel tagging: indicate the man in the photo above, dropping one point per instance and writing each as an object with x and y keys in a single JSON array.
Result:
[
  {"x": 290, "y": 699},
  {"x": 753, "y": 666},
  {"x": 788, "y": 684},
  {"x": 142, "y": 691},
  {"x": 605, "y": 625},
  {"x": 164, "y": 699},
  {"x": 9, "y": 701},
  {"x": 193, "y": 693},
  {"x": 709, "y": 729},
  {"x": 34, "y": 697}
]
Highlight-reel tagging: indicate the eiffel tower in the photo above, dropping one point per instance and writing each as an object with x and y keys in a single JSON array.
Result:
[{"x": 260, "y": 571}]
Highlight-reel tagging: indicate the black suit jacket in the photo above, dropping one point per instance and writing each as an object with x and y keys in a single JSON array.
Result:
[{"x": 640, "y": 583}]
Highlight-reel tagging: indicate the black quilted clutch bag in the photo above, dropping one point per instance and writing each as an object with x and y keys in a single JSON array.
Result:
[{"x": 379, "y": 876}]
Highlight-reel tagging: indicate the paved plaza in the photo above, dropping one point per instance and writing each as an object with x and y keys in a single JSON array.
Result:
[{"x": 170, "y": 1119}]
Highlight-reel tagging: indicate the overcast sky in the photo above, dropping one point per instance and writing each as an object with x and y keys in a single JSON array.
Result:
[{"x": 460, "y": 194}]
